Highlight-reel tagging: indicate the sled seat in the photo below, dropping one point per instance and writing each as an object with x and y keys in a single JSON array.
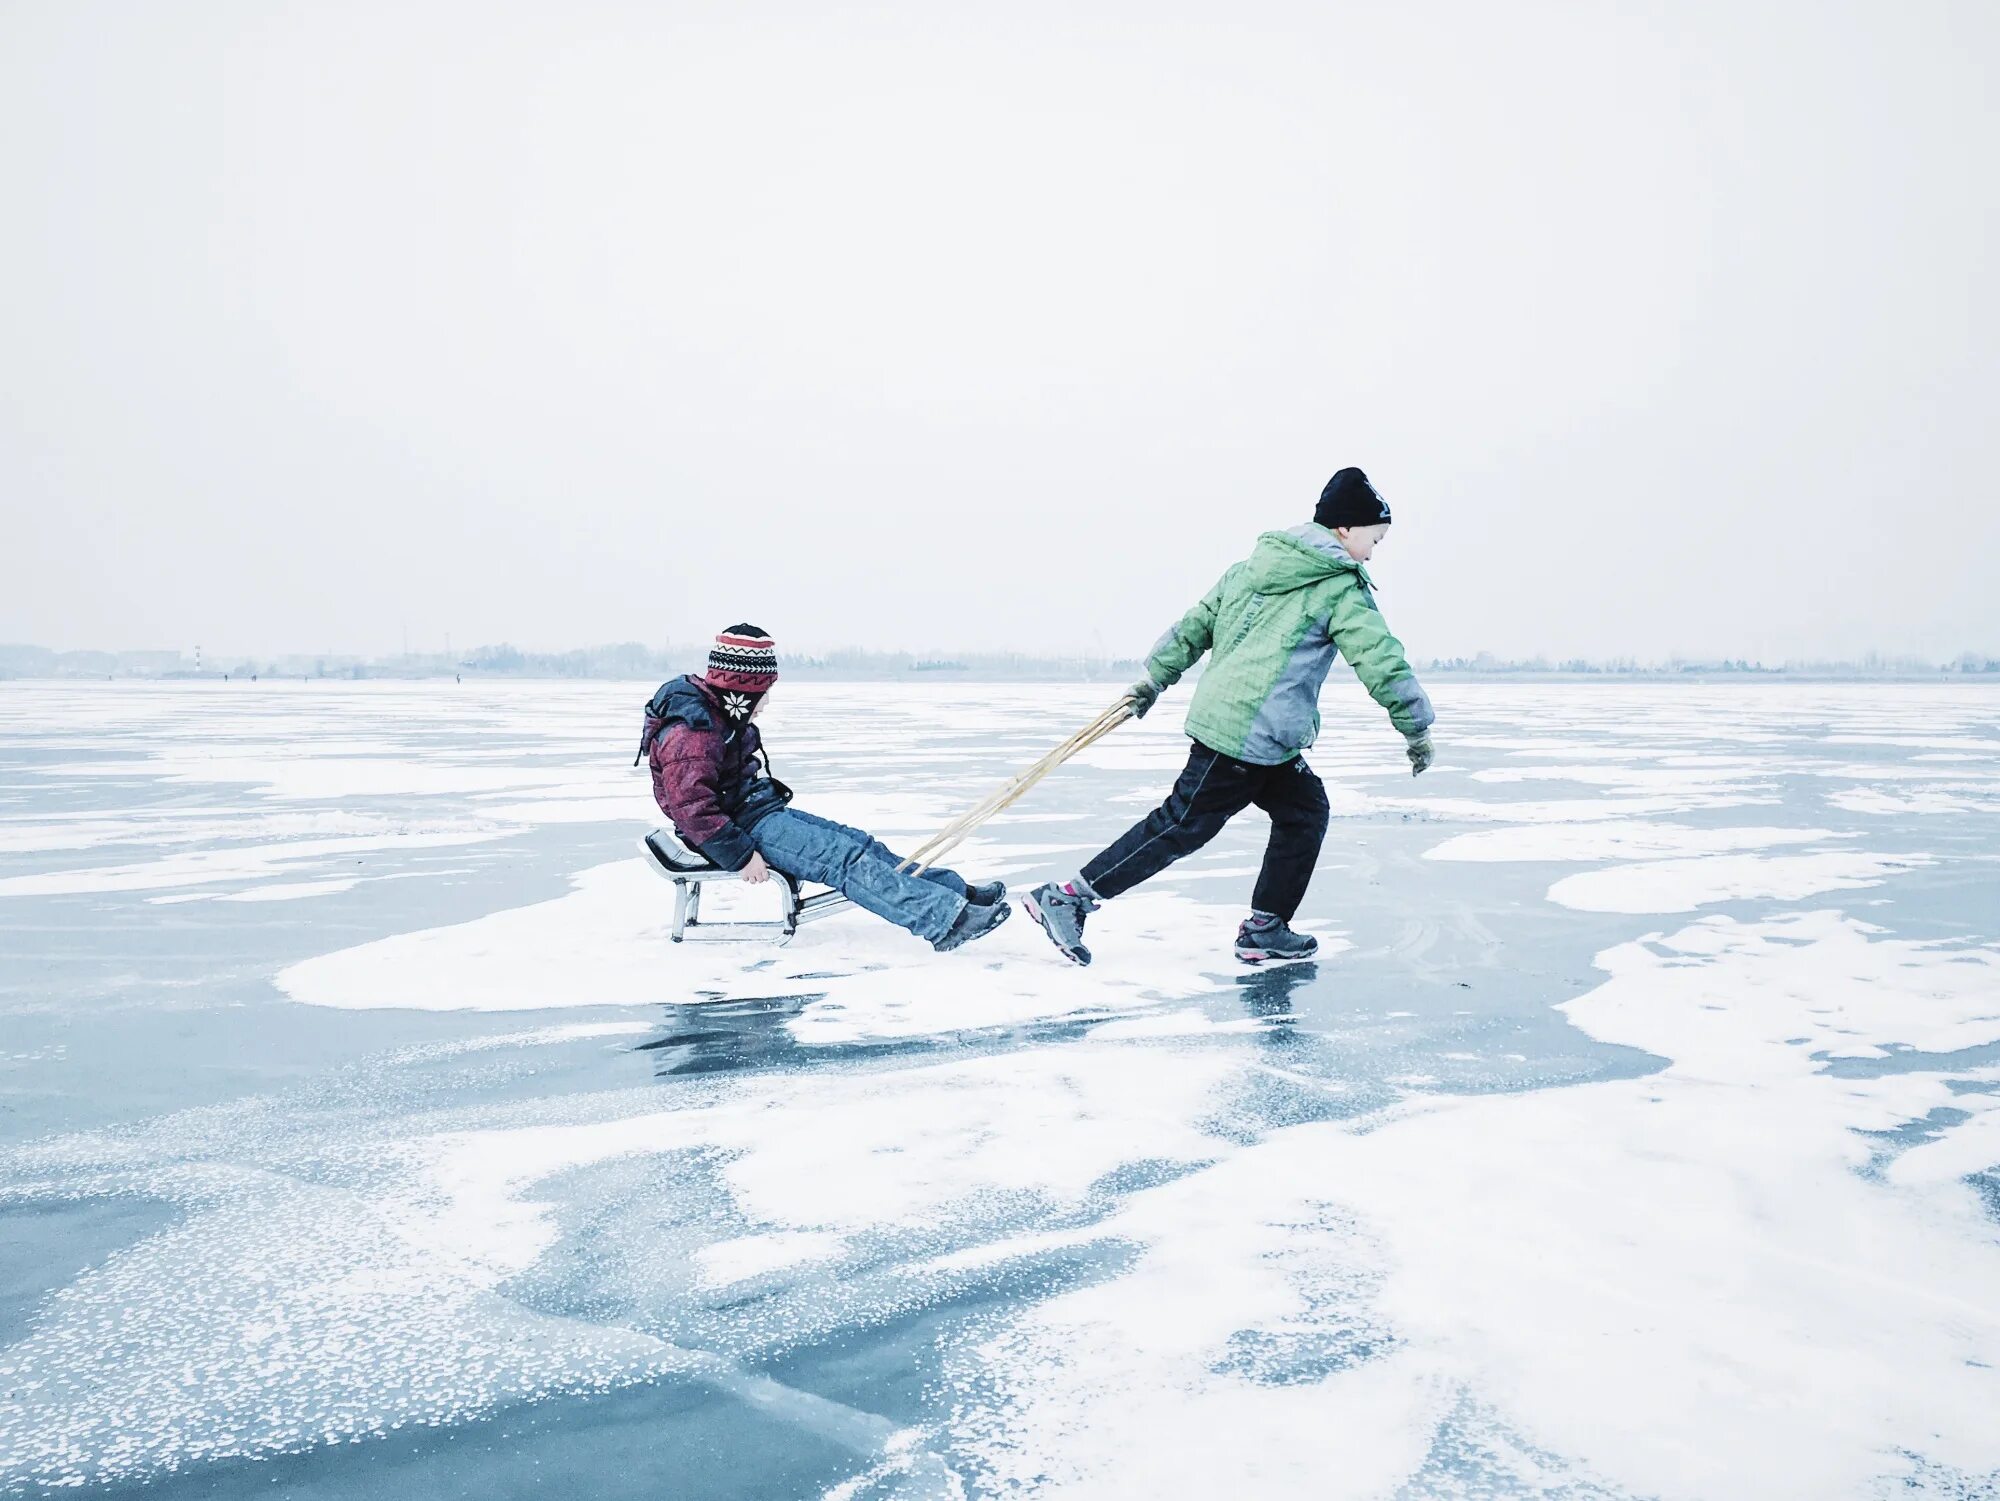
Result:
[{"x": 690, "y": 870}]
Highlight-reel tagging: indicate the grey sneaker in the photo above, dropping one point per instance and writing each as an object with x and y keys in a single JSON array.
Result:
[
  {"x": 985, "y": 893},
  {"x": 975, "y": 921},
  {"x": 1263, "y": 936},
  {"x": 1060, "y": 914}
]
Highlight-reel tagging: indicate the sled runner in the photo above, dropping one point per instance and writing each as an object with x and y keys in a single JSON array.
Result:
[{"x": 690, "y": 871}]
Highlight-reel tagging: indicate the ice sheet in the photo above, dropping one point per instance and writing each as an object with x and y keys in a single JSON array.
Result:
[{"x": 1158, "y": 1227}]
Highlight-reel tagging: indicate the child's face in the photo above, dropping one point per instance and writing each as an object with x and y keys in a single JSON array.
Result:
[
  {"x": 762, "y": 699},
  {"x": 1361, "y": 541}
]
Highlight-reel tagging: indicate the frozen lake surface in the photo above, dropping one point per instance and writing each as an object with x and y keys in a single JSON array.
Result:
[{"x": 1637, "y": 1133}]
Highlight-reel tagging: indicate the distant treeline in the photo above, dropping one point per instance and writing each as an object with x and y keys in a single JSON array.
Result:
[
  {"x": 633, "y": 661},
  {"x": 1871, "y": 666}
]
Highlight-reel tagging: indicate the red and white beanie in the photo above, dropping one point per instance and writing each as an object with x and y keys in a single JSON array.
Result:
[{"x": 743, "y": 660}]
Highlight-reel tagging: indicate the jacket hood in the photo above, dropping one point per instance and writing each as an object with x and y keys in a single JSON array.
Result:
[
  {"x": 682, "y": 700},
  {"x": 1284, "y": 561},
  {"x": 688, "y": 701}
]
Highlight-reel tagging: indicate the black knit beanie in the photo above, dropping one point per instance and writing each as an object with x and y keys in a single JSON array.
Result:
[{"x": 1349, "y": 500}]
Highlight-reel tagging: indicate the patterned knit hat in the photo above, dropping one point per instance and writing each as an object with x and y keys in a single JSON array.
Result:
[{"x": 743, "y": 660}]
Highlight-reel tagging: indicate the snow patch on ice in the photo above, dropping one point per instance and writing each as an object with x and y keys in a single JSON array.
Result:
[
  {"x": 1612, "y": 839},
  {"x": 1563, "y": 810},
  {"x": 1625, "y": 778},
  {"x": 291, "y": 891},
  {"x": 725, "y": 1262},
  {"x": 606, "y": 943},
  {"x": 249, "y": 863},
  {"x": 1875, "y": 801},
  {"x": 532, "y": 1037},
  {"x": 1521, "y": 1275},
  {"x": 1685, "y": 884}
]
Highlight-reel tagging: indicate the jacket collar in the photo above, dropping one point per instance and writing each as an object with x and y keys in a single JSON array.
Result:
[{"x": 1322, "y": 540}]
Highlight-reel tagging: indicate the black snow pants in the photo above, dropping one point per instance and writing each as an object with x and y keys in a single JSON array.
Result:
[{"x": 1214, "y": 788}]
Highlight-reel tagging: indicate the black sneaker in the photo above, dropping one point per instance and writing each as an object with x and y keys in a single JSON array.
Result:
[
  {"x": 1265, "y": 937},
  {"x": 1060, "y": 913},
  {"x": 985, "y": 893},
  {"x": 975, "y": 921}
]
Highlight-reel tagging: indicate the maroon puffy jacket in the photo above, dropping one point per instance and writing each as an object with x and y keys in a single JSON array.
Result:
[{"x": 709, "y": 773}]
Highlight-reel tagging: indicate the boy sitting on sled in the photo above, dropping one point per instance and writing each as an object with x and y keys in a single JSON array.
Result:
[
  {"x": 1272, "y": 626},
  {"x": 711, "y": 777}
]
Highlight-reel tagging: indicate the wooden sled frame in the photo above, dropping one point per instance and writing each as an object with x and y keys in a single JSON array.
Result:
[{"x": 690, "y": 871}]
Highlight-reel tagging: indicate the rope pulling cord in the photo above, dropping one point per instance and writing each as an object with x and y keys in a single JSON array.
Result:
[
  {"x": 821, "y": 903},
  {"x": 953, "y": 834}
]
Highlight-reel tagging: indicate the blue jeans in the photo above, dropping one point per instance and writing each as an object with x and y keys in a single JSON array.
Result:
[{"x": 860, "y": 868}]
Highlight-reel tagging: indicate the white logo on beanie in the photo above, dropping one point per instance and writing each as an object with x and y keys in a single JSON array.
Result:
[{"x": 1375, "y": 495}]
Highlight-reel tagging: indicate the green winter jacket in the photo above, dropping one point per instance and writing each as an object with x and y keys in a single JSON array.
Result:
[{"x": 1275, "y": 622}]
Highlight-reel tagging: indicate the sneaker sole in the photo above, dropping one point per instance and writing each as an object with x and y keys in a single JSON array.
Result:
[
  {"x": 1006, "y": 911},
  {"x": 1034, "y": 910},
  {"x": 1263, "y": 956}
]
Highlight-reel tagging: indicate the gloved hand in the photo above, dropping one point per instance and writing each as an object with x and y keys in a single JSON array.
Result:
[
  {"x": 1144, "y": 694},
  {"x": 1420, "y": 753}
]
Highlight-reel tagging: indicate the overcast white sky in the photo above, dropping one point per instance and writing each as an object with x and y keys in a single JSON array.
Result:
[{"x": 1663, "y": 327}]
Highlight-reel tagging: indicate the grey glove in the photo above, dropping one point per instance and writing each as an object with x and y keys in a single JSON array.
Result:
[
  {"x": 1419, "y": 750},
  {"x": 1144, "y": 694}
]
